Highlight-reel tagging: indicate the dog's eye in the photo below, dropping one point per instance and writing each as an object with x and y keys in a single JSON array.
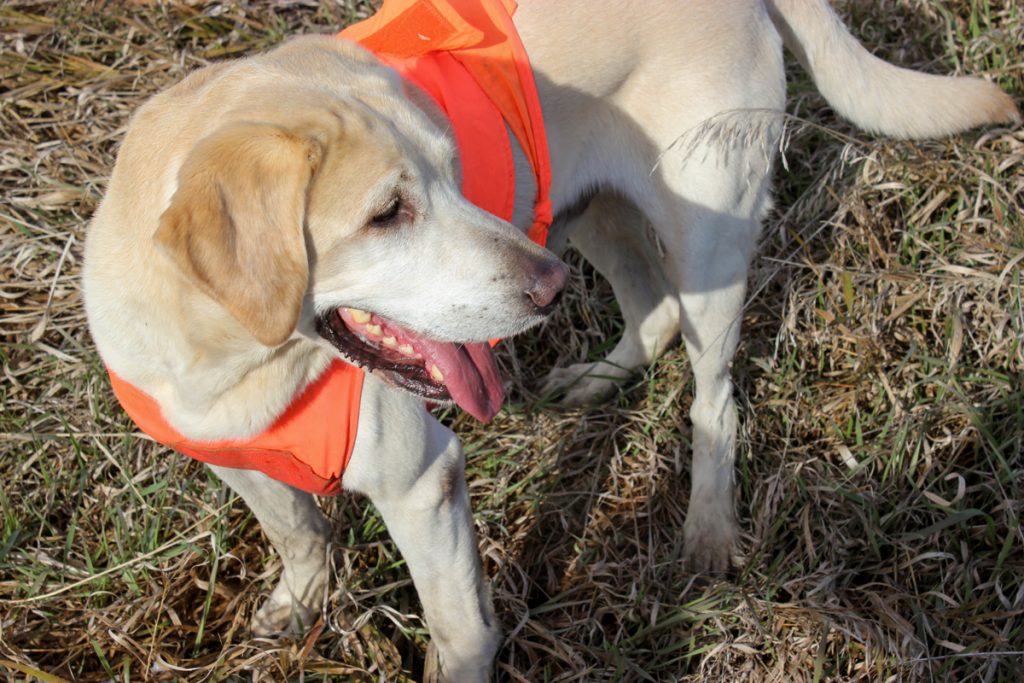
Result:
[{"x": 389, "y": 213}]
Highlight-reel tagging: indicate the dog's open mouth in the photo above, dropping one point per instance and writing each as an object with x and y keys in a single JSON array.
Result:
[{"x": 439, "y": 371}]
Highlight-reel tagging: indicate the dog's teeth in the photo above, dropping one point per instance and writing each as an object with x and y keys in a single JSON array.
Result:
[
  {"x": 407, "y": 350},
  {"x": 435, "y": 374},
  {"x": 389, "y": 342},
  {"x": 374, "y": 330},
  {"x": 359, "y": 316}
]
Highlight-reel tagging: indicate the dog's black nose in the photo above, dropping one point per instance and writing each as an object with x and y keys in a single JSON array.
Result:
[{"x": 546, "y": 288}]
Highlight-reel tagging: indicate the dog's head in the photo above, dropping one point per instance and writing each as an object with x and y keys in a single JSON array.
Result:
[{"x": 326, "y": 206}]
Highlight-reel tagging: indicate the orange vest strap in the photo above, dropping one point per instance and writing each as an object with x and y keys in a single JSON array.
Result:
[
  {"x": 480, "y": 36},
  {"x": 307, "y": 447}
]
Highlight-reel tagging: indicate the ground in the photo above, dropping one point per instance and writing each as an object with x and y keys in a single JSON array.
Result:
[{"x": 880, "y": 383}]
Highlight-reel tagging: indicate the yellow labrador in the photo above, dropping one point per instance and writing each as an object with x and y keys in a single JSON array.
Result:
[{"x": 240, "y": 208}]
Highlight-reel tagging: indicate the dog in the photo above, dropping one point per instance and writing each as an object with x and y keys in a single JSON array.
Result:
[{"x": 271, "y": 217}]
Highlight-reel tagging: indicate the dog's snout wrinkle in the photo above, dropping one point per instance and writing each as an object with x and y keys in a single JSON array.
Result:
[{"x": 545, "y": 289}]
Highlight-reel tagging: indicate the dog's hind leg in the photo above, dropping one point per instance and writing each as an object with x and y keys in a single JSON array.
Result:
[
  {"x": 299, "y": 532},
  {"x": 698, "y": 290},
  {"x": 412, "y": 468},
  {"x": 611, "y": 234},
  {"x": 708, "y": 219},
  {"x": 711, "y": 295}
]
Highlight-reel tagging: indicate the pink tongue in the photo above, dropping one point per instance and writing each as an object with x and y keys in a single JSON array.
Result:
[{"x": 470, "y": 374}]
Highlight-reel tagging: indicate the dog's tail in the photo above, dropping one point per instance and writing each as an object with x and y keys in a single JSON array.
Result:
[{"x": 875, "y": 95}]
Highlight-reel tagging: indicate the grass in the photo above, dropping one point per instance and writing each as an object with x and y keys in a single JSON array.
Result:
[{"x": 880, "y": 383}]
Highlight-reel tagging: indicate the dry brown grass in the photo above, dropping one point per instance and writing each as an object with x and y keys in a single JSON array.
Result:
[{"x": 880, "y": 380}]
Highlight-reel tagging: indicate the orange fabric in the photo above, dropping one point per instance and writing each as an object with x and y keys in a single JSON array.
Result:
[
  {"x": 307, "y": 447},
  {"x": 467, "y": 56},
  {"x": 431, "y": 41}
]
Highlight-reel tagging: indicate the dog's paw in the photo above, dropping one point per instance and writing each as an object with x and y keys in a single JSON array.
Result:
[
  {"x": 281, "y": 615},
  {"x": 583, "y": 384},
  {"x": 275, "y": 620},
  {"x": 470, "y": 659},
  {"x": 436, "y": 670},
  {"x": 711, "y": 542}
]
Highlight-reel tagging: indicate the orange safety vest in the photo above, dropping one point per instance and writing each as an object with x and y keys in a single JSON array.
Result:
[{"x": 467, "y": 56}]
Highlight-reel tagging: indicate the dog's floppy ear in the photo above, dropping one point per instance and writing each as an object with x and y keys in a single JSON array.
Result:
[{"x": 235, "y": 224}]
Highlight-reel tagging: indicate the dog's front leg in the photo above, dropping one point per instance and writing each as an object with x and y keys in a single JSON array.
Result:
[
  {"x": 433, "y": 527},
  {"x": 299, "y": 532},
  {"x": 412, "y": 468}
]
